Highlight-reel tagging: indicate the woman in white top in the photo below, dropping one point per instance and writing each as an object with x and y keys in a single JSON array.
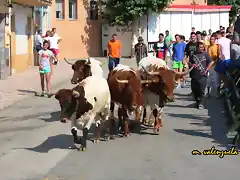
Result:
[{"x": 54, "y": 40}]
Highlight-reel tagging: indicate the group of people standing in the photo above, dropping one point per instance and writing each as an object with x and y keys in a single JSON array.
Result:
[
  {"x": 47, "y": 49},
  {"x": 208, "y": 53}
]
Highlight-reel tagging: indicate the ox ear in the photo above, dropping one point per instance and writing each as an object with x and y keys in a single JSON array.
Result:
[
  {"x": 57, "y": 96},
  {"x": 76, "y": 94}
]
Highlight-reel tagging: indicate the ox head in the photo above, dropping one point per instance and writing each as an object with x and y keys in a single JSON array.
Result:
[
  {"x": 133, "y": 92},
  {"x": 81, "y": 68},
  {"x": 168, "y": 78},
  {"x": 72, "y": 101}
]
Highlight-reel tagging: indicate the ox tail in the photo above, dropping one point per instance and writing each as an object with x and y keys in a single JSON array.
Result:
[{"x": 67, "y": 61}]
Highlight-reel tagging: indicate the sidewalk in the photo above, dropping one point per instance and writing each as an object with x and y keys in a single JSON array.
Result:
[{"x": 22, "y": 85}]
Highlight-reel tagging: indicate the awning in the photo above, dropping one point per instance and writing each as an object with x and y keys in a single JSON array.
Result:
[
  {"x": 34, "y": 2},
  {"x": 199, "y": 8}
]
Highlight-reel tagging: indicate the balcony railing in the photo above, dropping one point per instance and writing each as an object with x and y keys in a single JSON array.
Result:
[{"x": 34, "y": 2}]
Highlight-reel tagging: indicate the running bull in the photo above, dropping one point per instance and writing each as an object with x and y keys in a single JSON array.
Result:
[
  {"x": 155, "y": 69},
  {"x": 88, "y": 105},
  {"x": 84, "y": 68},
  {"x": 126, "y": 90}
]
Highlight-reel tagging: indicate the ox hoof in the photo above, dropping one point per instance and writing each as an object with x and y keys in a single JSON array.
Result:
[
  {"x": 96, "y": 141},
  {"x": 107, "y": 138},
  {"x": 126, "y": 135},
  {"x": 83, "y": 149}
]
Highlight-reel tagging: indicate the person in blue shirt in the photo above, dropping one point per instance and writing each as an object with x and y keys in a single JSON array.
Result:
[{"x": 178, "y": 55}]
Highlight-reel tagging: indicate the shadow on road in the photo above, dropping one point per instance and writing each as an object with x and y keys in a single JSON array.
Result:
[
  {"x": 55, "y": 116},
  {"x": 216, "y": 122},
  {"x": 61, "y": 141},
  {"x": 23, "y": 118},
  {"x": 24, "y": 91},
  {"x": 187, "y": 116}
]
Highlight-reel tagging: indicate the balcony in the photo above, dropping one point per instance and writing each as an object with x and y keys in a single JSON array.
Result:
[{"x": 34, "y": 2}]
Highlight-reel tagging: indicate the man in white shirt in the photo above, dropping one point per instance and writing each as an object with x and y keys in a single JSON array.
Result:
[
  {"x": 222, "y": 64},
  {"x": 54, "y": 40},
  {"x": 38, "y": 41}
]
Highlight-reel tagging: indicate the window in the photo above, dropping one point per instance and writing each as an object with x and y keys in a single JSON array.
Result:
[
  {"x": 59, "y": 9},
  {"x": 93, "y": 10},
  {"x": 72, "y": 9}
]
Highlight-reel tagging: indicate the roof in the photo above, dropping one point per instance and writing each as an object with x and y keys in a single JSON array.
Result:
[{"x": 199, "y": 8}]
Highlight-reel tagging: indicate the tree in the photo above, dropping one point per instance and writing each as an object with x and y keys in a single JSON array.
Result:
[{"x": 128, "y": 12}]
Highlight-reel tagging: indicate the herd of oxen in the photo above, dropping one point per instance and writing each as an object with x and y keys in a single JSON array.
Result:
[{"x": 94, "y": 97}]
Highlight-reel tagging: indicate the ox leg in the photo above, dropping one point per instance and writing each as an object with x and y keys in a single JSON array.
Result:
[
  {"x": 126, "y": 123},
  {"x": 120, "y": 127},
  {"x": 75, "y": 136},
  {"x": 97, "y": 132},
  {"x": 85, "y": 133},
  {"x": 112, "y": 123},
  {"x": 158, "y": 120},
  {"x": 144, "y": 115},
  {"x": 84, "y": 140}
]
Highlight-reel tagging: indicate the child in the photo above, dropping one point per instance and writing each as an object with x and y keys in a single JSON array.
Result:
[
  {"x": 199, "y": 75},
  {"x": 45, "y": 66}
]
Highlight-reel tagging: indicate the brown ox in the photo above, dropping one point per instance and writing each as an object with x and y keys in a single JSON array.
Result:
[
  {"x": 163, "y": 87},
  {"x": 125, "y": 87},
  {"x": 85, "y": 68}
]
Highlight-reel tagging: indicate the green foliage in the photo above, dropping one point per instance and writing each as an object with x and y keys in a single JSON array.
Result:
[{"x": 123, "y": 12}]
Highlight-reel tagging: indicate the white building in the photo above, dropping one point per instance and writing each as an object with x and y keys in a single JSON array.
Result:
[{"x": 178, "y": 19}]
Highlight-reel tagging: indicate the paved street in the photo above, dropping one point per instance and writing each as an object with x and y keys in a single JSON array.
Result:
[{"x": 34, "y": 145}]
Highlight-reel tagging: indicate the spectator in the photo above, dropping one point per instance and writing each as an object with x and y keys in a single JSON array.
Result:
[
  {"x": 183, "y": 39},
  {"x": 160, "y": 48},
  {"x": 38, "y": 41},
  {"x": 193, "y": 29},
  {"x": 215, "y": 54},
  {"x": 209, "y": 34},
  {"x": 54, "y": 32},
  {"x": 191, "y": 49},
  {"x": 178, "y": 56},
  {"x": 140, "y": 50},
  {"x": 168, "y": 40},
  {"x": 221, "y": 66},
  {"x": 114, "y": 52},
  {"x": 205, "y": 39},
  {"x": 198, "y": 82},
  {"x": 199, "y": 37},
  {"x": 54, "y": 41},
  {"x": 45, "y": 67}
]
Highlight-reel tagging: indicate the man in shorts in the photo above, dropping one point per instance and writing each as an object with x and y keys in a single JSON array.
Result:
[{"x": 178, "y": 56}]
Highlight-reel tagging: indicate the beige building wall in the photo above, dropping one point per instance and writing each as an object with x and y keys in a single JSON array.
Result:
[{"x": 81, "y": 37}]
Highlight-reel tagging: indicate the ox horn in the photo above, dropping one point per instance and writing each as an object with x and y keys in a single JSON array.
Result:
[
  {"x": 185, "y": 73},
  {"x": 122, "y": 81},
  {"x": 148, "y": 81},
  {"x": 68, "y": 61},
  {"x": 76, "y": 94},
  {"x": 150, "y": 73}
]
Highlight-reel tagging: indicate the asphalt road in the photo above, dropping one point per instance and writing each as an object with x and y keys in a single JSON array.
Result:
[{"x": 34, "y": 145}]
